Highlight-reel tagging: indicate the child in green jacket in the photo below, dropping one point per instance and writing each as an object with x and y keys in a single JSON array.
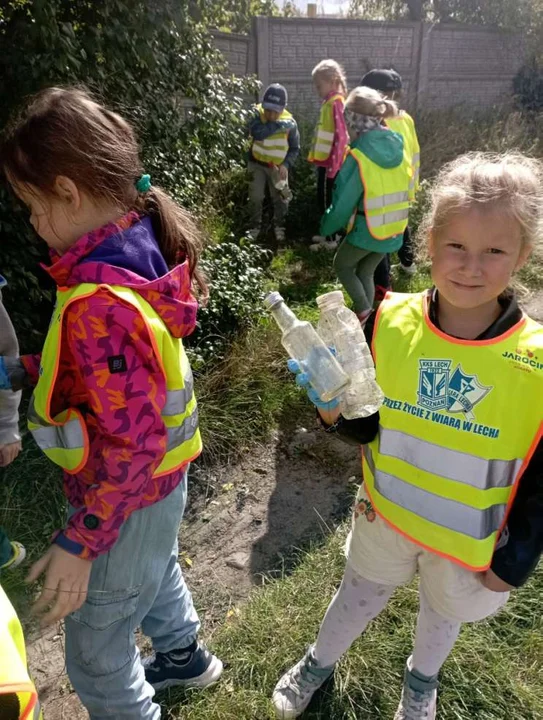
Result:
[{"x": 362, "y": 250}]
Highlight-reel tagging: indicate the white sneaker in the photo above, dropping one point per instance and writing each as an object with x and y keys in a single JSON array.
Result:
[
  {"x": 18, "y": 556},
  {"x": 318, "y": 239},
  {"x": 409, "y": 269},
  {"x": 323, "y": 243},
  {"x": 419, "y": 697},
  {"x": 330, "y": 243},
  {"x": 294, "y": 691},
  {"x": 280, "y": 234}
]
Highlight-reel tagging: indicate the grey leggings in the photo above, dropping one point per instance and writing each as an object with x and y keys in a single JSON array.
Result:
[{"x": 355, "y": 268}]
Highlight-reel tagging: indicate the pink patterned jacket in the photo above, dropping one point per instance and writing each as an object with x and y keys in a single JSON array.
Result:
[{"x": 108, "y": 371}]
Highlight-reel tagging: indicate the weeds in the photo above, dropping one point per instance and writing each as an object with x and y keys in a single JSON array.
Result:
[{"x": 493, "y": 672}]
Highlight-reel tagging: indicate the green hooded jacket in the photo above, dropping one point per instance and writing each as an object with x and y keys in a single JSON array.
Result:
[{"x": 385, "y": 148}]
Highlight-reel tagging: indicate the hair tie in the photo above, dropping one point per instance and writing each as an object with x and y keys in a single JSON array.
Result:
[{"x": 143, "y": 185}]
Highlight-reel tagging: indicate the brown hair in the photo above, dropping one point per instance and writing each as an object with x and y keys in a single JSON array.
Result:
[
  {"x": 332, "y": 71},
  {"x": 64, "y": 131},
  {"x": 367, "y": 101},
  {"x": 509, "y": 181}
]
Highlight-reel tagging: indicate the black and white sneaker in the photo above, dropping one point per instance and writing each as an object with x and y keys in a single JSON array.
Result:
[{"x": 191, "y": 667}]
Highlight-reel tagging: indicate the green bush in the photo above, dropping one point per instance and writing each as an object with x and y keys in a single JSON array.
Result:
[
  {"x": 150, "y": 60},
  {"x": 236, "y": 276}
]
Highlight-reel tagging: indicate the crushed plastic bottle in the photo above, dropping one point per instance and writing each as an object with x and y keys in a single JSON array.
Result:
[
  {"x": 303, "y": 344},
  {"x": 340, "y": 329},
  {"x": 281, "y": 185}
]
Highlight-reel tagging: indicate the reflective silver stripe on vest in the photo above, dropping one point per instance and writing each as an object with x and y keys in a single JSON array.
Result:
[
  {"x": 416, "y": 158},
  {"x": 382, "y": 201},
  {"x": 269, "y": 151},
  {"x": 37, "y": 710},
  {"x": 325, "y": 135},
  {"x": 387, "y": 217},
  {"x": 69, "y": 436},
  {"x": 180, "y": 434},
  {"x": 477, "y": 472},
  {"x": 278, "y": 142},
  {"x": 478, "y": 524},
  {"x": 177, "y": 400}
]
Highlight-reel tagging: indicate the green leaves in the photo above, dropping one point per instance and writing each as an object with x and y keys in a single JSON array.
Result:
[
  {"x": 236, "y": 277},
  {"x": 152, "y": 61}
]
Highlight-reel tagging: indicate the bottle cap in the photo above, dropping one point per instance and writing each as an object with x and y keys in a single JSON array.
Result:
[
  {"x": 272, "y": 299},
  {"x": 331, "y": 299}
]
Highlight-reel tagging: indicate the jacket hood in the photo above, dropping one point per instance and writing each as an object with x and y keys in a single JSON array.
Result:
[
  {"x": 127, "y": 253},
  {"x": 384, "y": 147}
]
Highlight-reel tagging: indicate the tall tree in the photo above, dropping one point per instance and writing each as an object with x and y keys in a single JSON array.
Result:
[{"x": 524, "y": 15}]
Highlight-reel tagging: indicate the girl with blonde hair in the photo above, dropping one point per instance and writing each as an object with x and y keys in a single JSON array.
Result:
[
  {"x": 330, "y": 139},
  {"x": 370, "y": 196},
  {"x": 452, "y": 462}
]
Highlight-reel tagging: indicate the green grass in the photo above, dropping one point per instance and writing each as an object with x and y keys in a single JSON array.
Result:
[{"x": 494, "y": 671}]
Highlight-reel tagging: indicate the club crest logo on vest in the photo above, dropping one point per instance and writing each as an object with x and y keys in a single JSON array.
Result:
[{"x": 456, "y": 392}]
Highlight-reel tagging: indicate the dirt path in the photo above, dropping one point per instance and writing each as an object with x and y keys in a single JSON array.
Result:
[{"x": 254, "y": 514}]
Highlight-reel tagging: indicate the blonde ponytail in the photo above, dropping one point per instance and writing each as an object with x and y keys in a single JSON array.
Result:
[{"x": 366, "y": 101}]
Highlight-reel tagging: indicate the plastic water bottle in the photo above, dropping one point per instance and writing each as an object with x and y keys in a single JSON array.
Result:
[
  {"x": 281, "y": 185},
  {"x": 303, "y": 344},
  {"x": 340, "y": 328}
]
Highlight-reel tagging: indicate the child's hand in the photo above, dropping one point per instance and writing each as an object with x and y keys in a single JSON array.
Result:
[
  {"x": 9, "y": 452},
  {"x": 302, "y": 379},
  {"x": 492, "y": 582},
  {"x": 65, "y": 586}
]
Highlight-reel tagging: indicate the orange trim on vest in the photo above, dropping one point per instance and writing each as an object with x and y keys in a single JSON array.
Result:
[
  {"x": 23, "y": 690},
  {"x": 515, "y": 487},
  {"x": 459, "y": 341},
  {"x": 177, "y": 467}
]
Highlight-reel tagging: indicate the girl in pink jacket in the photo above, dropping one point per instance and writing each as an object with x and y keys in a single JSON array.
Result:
[{"x": 110, "y": 406}]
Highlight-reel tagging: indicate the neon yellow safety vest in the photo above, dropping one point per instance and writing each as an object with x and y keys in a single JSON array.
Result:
[
  {"x": 273, "y": 150},
  {"x": 323, "y": 137},
  {"x": 386, "y": 195},
  {"x": 405, "y": 125},
  {"x": 450, "y": 453},
  {"x": 64, "y": 438},
  {"x": 15, "y": 681}
]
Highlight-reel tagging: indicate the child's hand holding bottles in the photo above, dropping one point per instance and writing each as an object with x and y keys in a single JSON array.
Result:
[{"x": 329, "y": 411}]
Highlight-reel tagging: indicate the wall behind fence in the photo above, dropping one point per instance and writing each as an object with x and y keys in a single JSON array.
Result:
[{"x": 442, "y": 65}]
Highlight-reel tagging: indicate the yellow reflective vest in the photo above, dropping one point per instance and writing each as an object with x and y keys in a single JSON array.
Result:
[
  {"x": 405, "y": 125},
  {"x": 323, "y": 137},
  {"x": 273, "y": 149},
  {"x": 18, "y": 697},
  {"x": 386, "y": 196},
  {"x": 450, "y": 453},
  {"x": 64, "y": 438}
]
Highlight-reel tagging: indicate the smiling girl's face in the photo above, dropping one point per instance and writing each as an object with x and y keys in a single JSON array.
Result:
[{"x": 475, "y": 256}]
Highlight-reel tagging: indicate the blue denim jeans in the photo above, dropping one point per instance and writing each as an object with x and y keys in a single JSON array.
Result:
[
  {"x": 138, "y": 583},
  {"x": 6, "y": 551}
]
